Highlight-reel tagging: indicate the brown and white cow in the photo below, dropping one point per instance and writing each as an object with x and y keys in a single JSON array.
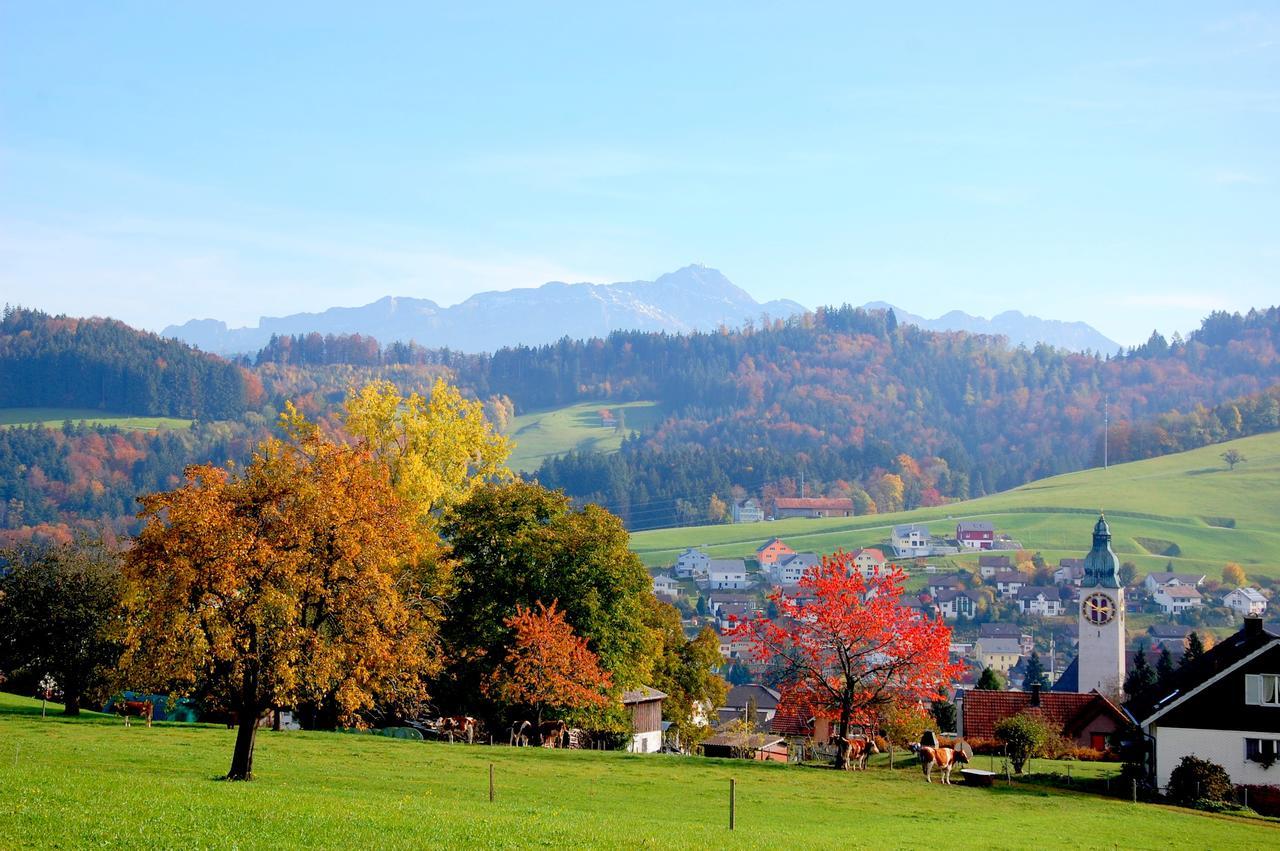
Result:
[
  {"x": 945, "y": 758},
  {"x": 127, "y": 709},
  {"x": 463, "y": 726},
  {"x": 520, "y": 733},
  {"x": 860, "y": 749},
  {"x": 551, "y": 733}
]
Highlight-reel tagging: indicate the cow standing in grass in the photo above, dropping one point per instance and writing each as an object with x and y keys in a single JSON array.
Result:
[
  {"x": 859, "y": 749},
  {"x": 127, "y": 709},
  {"x": 520, "y": 733},
  {"x": 551, "y": 733},
  {"x": 944, "y": 758}
]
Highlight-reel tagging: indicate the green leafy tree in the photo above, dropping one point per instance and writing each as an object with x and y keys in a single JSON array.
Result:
[
  {"x": 1128, "y": 573},
  {"x": 1035, "y": 674},
  {"x": 944, "y": 715},
  {"x": 685, "y": 670},
  {"x": 518, "y": 544},
  {"x": 1142, "y": 678},
  {"x": 1198, "y": 782},
  {"x": 990, "y": 680},
  {"x": 1233, "y": 457},
  {"x": 58, "y": 606},
  {"x": 1025, "y": 736}
]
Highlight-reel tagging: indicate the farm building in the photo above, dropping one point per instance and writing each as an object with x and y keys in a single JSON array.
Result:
[
  {"x": 645, "y": 706},
  {"x": 976, "y": 534},
  {"x": 812, "y": 507},
  {"x": 1090, "y": 720}
]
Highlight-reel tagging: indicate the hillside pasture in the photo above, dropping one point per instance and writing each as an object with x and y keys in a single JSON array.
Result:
[
  {"x": 1190, "y": 500},
  {"x": 92, "y": 782},
  {"x": 542, "y": 434},
  {"x": 55, "y": 417}
]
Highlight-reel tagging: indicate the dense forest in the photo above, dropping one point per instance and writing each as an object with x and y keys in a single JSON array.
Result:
[
  {"x": 838, "y": 402},
  {"x": 61, "y": 362}
]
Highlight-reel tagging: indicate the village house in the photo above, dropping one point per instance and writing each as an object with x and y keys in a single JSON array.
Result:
[
  {"x": 998, "y": 653},
  {"x": 734, "y": 648},
  {"x": 975, "y": 534},
  {"x": 665, "y": 585},
  {"x": 771, "y": 550},
  {"x": 1008, "y": 583},
  {"x": 1246, "y": 601},
  {"x": 717, "y": 599},
  {"x": 740, "y": 699},
  {"x": 1070, "y": 571},
  {"x": 748, "y": 511},
  {"x": 645, "y": 707},
  {"x": 765, "y": 747},
  {"x": 869, "y": 560},
  {"x": 1171, "y": 634},
  {"x": 789, "y": 569},
  {"x": 916, "y": 604},
  {"x": 935, "y": 585},
  {"x": 989, "y": 566},
  {"x": 957, "y": 604},
  {"x": 1007, "y": 630},
  {"x": 1040, "y": 600},
  {"x": 692, "y": 563},
  {"x": 812, "y": 507},
  {"x": 1224, "y": 707},
  {"x": 1155, "y": 581},
  {"x": 1089, "y": 720},
  {"x": 911, "y": 540},
  {"x": 1175, "y": 599},
  {"x": 727, "y": 574}
]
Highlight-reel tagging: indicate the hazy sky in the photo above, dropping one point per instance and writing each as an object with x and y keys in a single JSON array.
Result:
[{"x": 1117, "y": 164}]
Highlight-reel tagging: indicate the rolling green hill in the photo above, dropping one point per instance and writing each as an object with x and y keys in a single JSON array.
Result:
[
  {"x": 539, "y": 435},
  {"x": 55, "y": 417},
  {"x": 90, "y": 782},
  {"x": 1213, "y": 515}
]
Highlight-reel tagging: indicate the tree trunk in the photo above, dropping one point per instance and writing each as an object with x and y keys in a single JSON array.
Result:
[
  {"x": 242, "y": 759},
  {"x": 842, "y": 744},
  {"x": 72, "y": 705}
]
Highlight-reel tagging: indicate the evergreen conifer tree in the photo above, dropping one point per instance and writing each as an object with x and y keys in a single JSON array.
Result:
[
  {"x": 1195, "y": 649},
  {"x": 1035, "y": 674},
  {"x": 990, "y": 680},
  {"x": 1164, "y": 667},
  {"x": 1142, "y": 677}
]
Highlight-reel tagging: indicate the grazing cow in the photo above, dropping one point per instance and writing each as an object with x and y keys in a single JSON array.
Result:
[
  {"x": 944, "y": 758},
  {"x": 551, "y": 733},
  {"x": 860, "y": 749},
  {"x": 520, "y": 734},
  {"x": 462, "y": 725},
  {"x": 128, "y": 708}
]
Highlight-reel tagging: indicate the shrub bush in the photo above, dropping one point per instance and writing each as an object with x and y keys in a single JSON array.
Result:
[
  {"x": 1199, "y": 783},
  {"x": 1025, "y": 735}
]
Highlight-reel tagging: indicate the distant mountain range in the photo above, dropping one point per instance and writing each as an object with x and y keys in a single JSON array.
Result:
[
  {"x": 1020, "y": 329},
  {"x": 690, "y": 299}
]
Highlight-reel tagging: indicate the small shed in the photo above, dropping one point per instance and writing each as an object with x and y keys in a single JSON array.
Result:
[{"x": 645, "y": 706}]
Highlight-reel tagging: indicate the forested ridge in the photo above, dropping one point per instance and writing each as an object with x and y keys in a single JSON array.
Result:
[
  {"x": 65, "y": 362},
  {"x": 892, "y": 416}
]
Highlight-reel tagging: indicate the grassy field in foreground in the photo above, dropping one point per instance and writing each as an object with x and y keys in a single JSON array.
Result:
[
  {"x": 55, "y": 417},
  {"x": 91, "y": 782},
  {"x": 1187, "y": 499},
  {"x": 541, "y": 434}
]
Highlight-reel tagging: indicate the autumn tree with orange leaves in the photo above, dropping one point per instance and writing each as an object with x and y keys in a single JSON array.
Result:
[
  {"x": 548, "y": 667},
  {"x": 278, "y": 585},
  {"x": 847, "y": 648}
]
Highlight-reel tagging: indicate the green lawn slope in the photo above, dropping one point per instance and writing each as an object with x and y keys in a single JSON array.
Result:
[
  {"x": 1189, "y": 499},
  {"x": 55, "y": 417},
  {"x": 92, "y": 783},
  {"x": 542, "y": 434}
]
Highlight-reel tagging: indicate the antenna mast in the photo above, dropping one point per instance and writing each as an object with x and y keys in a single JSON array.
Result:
[{"x": 1106, "y": 432}]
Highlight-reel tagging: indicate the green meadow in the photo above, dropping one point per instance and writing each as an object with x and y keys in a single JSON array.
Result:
[
  {"x": 90, "y": 782},
  {"x": 55, "y": 417},
  {"x": 542, "y": 434},
  {"x": 1188, "y": 509}
]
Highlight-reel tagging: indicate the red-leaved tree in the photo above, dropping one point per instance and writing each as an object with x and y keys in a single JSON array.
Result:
[
  {"x": 548, "y": 667},
  {"x": 847, "y": 648}
]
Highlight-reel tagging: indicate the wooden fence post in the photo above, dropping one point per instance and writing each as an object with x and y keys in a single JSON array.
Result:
[
  {"x": 1135, "y": 791},
  {"x": 491, "y": 782},
  {"x": 733, "y": 801}
]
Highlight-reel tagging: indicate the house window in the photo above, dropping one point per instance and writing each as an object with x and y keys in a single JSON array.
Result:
[
  {"x": 1261, "y": 750},
  {"x": 1262, "y": 689}
]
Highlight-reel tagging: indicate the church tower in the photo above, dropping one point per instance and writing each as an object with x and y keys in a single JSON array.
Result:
[{"x": 1100, "y": 663}]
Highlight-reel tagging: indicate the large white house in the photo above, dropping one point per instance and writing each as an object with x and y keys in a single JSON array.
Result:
[
  {"x": 1175, "y": 599},
  {"x": 1225, "y": 708},
  {"x": 727, "y": 574},
  {"x": 692, "y": 563},
  {"x": 1161, "y": 579},
  {"x": 789, "y": 569},
  {"x": 665, "y": 586},
  {"x": 1246, "y": 601},
  {"x": 911, "y": 540}
]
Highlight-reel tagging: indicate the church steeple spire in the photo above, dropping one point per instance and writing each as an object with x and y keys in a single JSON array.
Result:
[{"x": 1101, "y": 567}]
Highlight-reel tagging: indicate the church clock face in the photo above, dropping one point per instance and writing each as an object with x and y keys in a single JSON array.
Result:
[{"x": 1099, "y": 609}]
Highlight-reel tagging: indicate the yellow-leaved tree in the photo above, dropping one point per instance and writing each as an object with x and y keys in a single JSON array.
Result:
[
  {"x": 278, "y": 585},
  {"x": 438, "y": 449}
]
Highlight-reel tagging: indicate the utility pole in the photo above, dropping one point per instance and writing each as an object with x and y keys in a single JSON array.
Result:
[
  {"x": 802, "y": 484},
  {"x": 1106, "y": 432}
]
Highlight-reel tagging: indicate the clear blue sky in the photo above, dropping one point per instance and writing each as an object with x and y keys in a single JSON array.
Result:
[{"x": 1117, "y": 164}]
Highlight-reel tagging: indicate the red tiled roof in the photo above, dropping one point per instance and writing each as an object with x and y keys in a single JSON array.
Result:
[
  {"x": 839, "y": 504},
  {"x": 984, "y": 709},
  {"x": 788, "y": 721}
]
